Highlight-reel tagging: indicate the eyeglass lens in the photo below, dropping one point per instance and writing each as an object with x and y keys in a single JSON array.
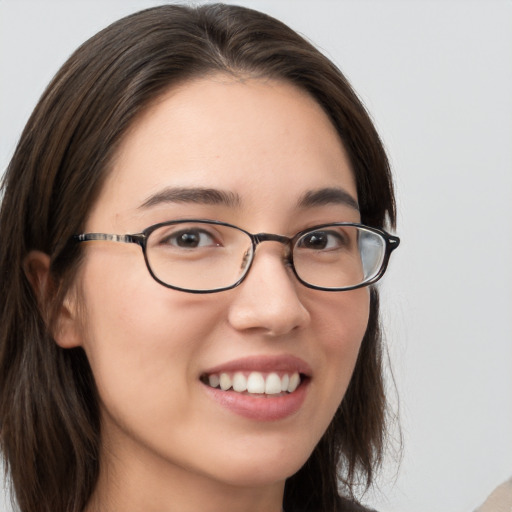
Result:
[{"x": 202, "y": 256}]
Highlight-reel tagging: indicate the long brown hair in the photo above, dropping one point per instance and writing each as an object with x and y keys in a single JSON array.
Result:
[{"x": 49, "y": 416}]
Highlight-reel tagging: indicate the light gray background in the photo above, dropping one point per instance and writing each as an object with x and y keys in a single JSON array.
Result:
[{"x": 437, "y": 78}]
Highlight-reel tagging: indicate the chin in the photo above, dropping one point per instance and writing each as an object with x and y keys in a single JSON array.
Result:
[{"x": 262, "y": 471}]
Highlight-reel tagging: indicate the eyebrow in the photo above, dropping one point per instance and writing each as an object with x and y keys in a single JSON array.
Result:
[
  {"x": 196, "y": 195},
  {"x": 211, "y": 196},
  {"x": 325, "y": 196}
]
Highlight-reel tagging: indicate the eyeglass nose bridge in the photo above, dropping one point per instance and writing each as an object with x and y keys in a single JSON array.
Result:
[{"x": 271, "y": 237}]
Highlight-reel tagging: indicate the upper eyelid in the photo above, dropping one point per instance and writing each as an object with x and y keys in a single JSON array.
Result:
[
  {"x": 212, "y": 233},
  {"x": 180, "y": 228},
  {"x": 337, "y": 234},
  {"x": 326, "y": 228},
  {"x": 175, "y": 226},
  {"x": 217, "y": 223},
  {"x": 184, "y": 229}
]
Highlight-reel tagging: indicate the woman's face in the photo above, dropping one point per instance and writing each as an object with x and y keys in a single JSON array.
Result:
[{"x": 267, "y": 147}]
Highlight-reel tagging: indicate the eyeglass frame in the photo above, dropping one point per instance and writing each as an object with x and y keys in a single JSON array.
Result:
[{"x": 391, "y": 243}]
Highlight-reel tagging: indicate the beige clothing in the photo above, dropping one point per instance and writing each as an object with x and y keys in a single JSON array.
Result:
[{"x": 500, "y": 500}]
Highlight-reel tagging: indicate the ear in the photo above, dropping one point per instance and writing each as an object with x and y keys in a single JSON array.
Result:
[{"x": 66, "y": 327}]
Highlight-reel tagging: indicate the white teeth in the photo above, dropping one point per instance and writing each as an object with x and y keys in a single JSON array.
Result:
[
  {"x": 225, "y": 381},
  {"x": 239, "y": 382},
  {"x": 294, "y": 382},
  {"x": 213, "y": 380},
  {"x": 273, "y": 384},
  {"x": 284, "y": 382},
  {"x": 256, "y": 382}
]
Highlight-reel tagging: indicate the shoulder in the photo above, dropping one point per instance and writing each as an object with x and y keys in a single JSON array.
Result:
[
  {"x": 352, "y": 506},
  {"x": 500, "y": 499},
  {"x": 342, "y": 505}
]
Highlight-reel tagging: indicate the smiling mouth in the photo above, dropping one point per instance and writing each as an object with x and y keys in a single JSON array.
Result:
[{"x": 255, "y": 383}]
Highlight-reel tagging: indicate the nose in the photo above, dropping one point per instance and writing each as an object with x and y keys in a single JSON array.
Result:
[{"x": 267, "y": 300}]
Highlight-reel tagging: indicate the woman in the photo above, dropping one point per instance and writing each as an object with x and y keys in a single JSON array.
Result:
[{"x": 186, "y": 318}]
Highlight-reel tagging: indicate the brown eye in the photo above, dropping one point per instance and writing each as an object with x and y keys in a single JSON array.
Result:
[
  {"x": 190, "y": 239},
  {"x": 322, "y": 240}
]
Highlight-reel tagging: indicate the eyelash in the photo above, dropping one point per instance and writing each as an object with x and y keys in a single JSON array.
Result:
[{"x": 193, "y": 233}]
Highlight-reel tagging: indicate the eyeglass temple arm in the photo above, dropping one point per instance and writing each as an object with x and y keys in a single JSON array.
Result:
[
  {"x": 129, "y": 239},
  {"x": 393, "y": 242}
]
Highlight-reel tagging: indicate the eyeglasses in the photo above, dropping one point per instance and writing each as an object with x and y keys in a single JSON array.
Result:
[{"x": 206, "y": 256}]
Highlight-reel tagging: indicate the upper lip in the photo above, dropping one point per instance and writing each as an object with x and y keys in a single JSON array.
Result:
[{"x": 264, "y": 363}]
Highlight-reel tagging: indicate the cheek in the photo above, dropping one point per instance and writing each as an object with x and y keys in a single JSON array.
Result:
[
  {"x": 140, "y": 338},
  {"x": 342, "y": 324}
]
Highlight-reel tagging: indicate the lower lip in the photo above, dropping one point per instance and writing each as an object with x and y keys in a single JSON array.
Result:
[{"x": 260, "y": 408}]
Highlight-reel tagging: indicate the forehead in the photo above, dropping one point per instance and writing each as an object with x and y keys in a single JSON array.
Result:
[{"x": 253, "y": 137}]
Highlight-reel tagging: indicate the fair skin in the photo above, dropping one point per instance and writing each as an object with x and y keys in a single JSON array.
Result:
[{"x": 168, "y": 445}]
